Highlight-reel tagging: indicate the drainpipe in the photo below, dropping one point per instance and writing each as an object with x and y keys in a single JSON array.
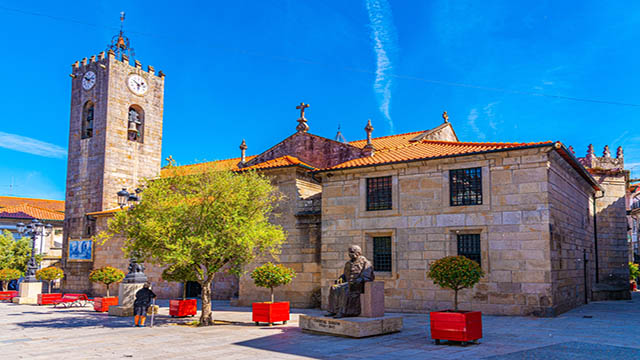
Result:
[{"x": 595, "y": 235}]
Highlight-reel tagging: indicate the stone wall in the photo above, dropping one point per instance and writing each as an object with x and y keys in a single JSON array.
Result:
[
  {"x": 571, "y": 228},
  {"x": 301, "y": 222},
  {"x": 513, "y": 223}
]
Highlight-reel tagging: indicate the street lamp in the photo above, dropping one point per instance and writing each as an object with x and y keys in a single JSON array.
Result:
[
  {"x": 136, "y": 270},
  {"x": 33, "y": 230}
]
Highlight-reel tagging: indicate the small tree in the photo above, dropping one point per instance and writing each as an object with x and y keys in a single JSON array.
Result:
[
  {"x": 106, "y": 275},
  {"x": 7, "y": 275},
  {"x": 181, "y": 274},
  {"x": 634, "y": 271},
  {"x": 211, "y": 221},
  {"x": 49, "y": 274},
  {"x": 271, "y": 276},
  {"x": 455, "y": 273},
  {"x": 15, "y": 254}
]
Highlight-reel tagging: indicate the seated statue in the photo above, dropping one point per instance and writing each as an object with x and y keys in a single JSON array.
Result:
[{"x": 344, "y": 295}]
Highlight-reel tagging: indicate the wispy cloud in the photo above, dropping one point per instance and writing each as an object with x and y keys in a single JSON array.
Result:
[
  {"x": 491, "y": 115},
  {"x": 471, "y": 120},
  {"x": 384, "y": 38},
  {"x": 31, "y": 146}
]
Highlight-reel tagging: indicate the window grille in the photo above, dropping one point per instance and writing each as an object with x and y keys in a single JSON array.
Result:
[
  {"x": 469, "y": 247},
  {"x": 379, "y": 193},
  {"x": 465, "y": 186},
  {"x": 382, "y": 253}
]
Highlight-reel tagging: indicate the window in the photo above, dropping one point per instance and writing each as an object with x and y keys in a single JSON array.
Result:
[
  {"x": 135, "y": 129},
  {"x": 465, "y": 186},
  {"x": 469, "y": 246},
  {"x": 87, "y": 120},
  {"x": 382, "y": 253},
  {"x": 379, "y": 193}
]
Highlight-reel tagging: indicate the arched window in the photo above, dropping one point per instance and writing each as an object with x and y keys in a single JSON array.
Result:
[
  {"x": 87, "y": 120},
  {"x": 135, "y": 124}
]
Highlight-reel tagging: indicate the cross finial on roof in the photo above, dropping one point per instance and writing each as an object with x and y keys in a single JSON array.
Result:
[
  {"x": 302, "y": 121},
  {"x": 120, "y": 43},
  {"x": 170, "y": 160},
  {"x": 445, "y": 116},
  {"x": 339, "y": 136}
]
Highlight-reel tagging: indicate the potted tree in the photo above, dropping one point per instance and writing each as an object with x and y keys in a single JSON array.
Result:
[
  {"x": 49, "y": 274},
  {"x": 634, "y": 272},
  {"x": 271, "y": 276},
  {"x": 455, "y": 273},
  {"x": 106, "y": 275},
  {"x": 7, "y": 275},
  {"x": 184, "y": 306}
]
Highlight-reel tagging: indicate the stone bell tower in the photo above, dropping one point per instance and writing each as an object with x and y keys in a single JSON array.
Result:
[{"x": 115, "y": 140}]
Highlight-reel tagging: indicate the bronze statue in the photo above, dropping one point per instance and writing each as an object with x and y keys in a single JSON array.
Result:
[{"x": 344, "y": 295}]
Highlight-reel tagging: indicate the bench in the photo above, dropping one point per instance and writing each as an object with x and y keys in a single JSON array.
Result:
[
  {"x": 69, "y": 300},
  {"x": 372, "y": 299},
  {"x": 8, "y": 295}
]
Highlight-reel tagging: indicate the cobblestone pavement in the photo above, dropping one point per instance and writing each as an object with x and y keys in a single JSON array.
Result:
[{"x": 600, "y": 330}]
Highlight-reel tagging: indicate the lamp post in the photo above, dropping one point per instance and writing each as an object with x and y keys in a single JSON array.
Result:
[
  {"x": 136, "y": 270},
  {"x": 33, "y": 230}
]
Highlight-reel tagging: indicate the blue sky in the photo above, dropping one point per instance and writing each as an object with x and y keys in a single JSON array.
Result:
[{"x": 235, "y": 70}]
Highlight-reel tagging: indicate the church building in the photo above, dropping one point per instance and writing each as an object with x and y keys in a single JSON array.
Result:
[{"x": 545, "y": 230}]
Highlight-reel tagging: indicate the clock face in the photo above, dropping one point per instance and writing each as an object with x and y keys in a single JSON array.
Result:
[
  {"x": 88, "y": 80},
  {"x": 137, "y": 84}
]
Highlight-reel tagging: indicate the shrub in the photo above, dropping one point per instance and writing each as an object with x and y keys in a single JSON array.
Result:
[
  {"x": 271, "y": 276},
  {"x": 49, "y": 274},
  {"x": 106, "y": 275},
  {"x": 7, "y": 275},
  {"x": 455, "y": 273},
  {"x": 181, "y": 274},
  {"x": 634, "y": 271}
]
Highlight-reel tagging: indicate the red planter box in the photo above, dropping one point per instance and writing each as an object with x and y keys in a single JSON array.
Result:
[
  {"x": 101, "y": 304},
  {"x": 47, "y": 299},
  {"x": 633, "y": 286},
  {"x": 187, "y": 307},
  {"x": 456, "y": 326},
  {"x": 267, "y": 312},
  {"x": 8, "y": 295}
]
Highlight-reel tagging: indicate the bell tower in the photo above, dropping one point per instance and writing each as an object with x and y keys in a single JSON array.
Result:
[{"x": 115, "y": 141}]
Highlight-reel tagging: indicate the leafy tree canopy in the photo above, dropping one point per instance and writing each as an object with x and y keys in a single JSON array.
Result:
[
  {"x": 271, "y": 276},
  {"x": 634, "y": 271},
  {"x": 455, "y": 273},
  {"x": 7, "y": 274},
  {"x": 15, "y": 253},
  {"x": 49, "y": 273},
  {"x": 207, "y": 222}
]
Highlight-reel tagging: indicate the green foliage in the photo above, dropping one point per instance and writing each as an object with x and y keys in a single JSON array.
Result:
[
  {"x": 208, "y": 222},
  {"x": 271, "y": 276},
  {"x": 106, "y": 275},
  {"x": 15, "y": 253},
  {"x": 49, "y": 273},
  {"x": 181, "y": 274},
  {"x": 634, "y": 271},
  {"x": 10, "y": 274},
  {"x": 455, "y": 273}
]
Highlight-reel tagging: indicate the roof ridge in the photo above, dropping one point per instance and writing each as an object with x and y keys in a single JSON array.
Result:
[
  {"x": 485, "y": 143},
  {"x": 4, "y": 209},
  {"x": 211, "y": 162},
  {"x": 388, "y": 136},
  {"x": 26, "y": 198}
]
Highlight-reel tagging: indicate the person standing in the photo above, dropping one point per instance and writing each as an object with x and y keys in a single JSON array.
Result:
[{"x": 141, "y": 304}]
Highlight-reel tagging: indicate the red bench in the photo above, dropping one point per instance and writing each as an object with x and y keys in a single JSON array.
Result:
[
  {"x": 8, "y": 295},
  {"x": 69, "y": 300},
  {"x": 48, "y": 299}
]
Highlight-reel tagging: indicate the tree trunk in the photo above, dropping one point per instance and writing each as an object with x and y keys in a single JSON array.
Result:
[
  {"x": 206, "y": 318},
  {"x": 184, "y": 291},
  {"x": 107, "y": 289},
  {"x": 272, "y": 301},
  {"x": 455, "y": 300},
  {"x": 5, "y": 285},
  {"x": 50, "y": 285}
]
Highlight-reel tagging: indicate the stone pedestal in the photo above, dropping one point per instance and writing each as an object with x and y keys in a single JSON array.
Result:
[
  {"x": 372, "y": 300},
  {"x": 355, "y": 327},
  {"x": 28, "y": 293},
  {"x": 126, "y": 297}
]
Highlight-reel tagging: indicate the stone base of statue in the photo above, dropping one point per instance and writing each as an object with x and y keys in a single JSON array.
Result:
[
  {"x": 355, "y": 327},
  {"x": 126, "y": 297},
  {"x": 28, "y": 293}
]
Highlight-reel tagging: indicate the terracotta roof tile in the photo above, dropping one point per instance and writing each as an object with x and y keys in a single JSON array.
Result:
[
  {"x": 26, "y": 211},
  {"x": 426, "y": 149},
  {"x": 232, "y": 164},
  {"x": 104, "y": 212},
  {"x": 385, "y": 142},
  {"x": 53, "y": 205}
]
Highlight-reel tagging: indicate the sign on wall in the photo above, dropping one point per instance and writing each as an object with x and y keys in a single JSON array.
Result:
[{"x": 80, "y": 250}]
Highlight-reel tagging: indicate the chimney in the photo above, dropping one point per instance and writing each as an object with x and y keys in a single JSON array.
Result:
[{"x": 243, "y": 148}]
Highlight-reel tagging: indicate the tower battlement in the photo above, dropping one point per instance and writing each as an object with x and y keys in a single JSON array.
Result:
[{"x": 102, "y": 60}]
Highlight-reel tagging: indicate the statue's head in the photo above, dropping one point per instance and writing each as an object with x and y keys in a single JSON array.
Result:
[{"x": 354, "y": 252}]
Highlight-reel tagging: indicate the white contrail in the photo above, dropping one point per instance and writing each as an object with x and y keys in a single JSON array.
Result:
[
  {"x": 383, "y": 35},
  {"x": 31, "y": 146}
]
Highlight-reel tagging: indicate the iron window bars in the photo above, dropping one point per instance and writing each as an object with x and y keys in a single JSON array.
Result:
[
  {"x": 469, "y": 246},
  {"x": 379, "y": 193},
  {"x": 465, "y": 186},
  {"x": 382, "y": 253}
]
